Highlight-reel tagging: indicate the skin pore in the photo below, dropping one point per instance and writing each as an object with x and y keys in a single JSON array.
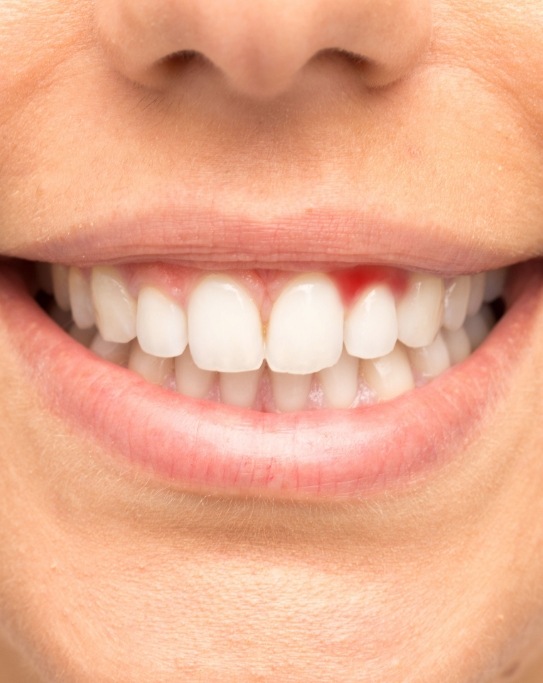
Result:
[{"x": 110, "y": 575}]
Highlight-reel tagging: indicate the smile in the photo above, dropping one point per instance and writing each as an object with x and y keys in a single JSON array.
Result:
[
  {"x": 276, "y": 341},
  {"x": 285, "y": 377}
]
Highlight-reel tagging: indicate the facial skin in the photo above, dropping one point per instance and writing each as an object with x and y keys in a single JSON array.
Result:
[{"x": 108, "y": 576}]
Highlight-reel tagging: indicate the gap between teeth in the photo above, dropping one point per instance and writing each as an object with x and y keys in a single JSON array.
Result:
[{"x": 310, "y": 352}]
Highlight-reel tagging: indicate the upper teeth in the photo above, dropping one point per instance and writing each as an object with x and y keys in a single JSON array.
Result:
[{"x": 308, "y": 329}]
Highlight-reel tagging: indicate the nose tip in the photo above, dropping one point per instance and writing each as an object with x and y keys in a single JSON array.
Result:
[{"x": 260, "y": 48}]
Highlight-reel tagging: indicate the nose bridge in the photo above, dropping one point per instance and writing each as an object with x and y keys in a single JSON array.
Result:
[{"x": 261, "y": 45}]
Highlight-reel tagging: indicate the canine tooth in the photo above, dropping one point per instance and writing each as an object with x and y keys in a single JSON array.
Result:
[
  {"x": 478, "y": 326},
  {"x": 239, "y": 388},
  {"x": 305, "y": 330},
  {"x": 389, "y": 376},
  {"x": 225, "y": 330},
  {"x": 154, "y": 370},
  {"x": 420, "y": 310},
  {"x": 432, "y": 360},
  {"x": 110, "y": 351},
  {"x": 495, "y": 283},
  {"x": 60, "y": 286},
  {"x": 477, "y": 293},
  {"x": 80, "y": 299},
  {"x": 44, "y": 277},
  {"x": 290, "y": 392},
  {"x": 456, "y": 300},
  {"x": 190, "y": 380},
  {"x": 371, "y": 326},
  {"x": 458, "y": 344},
  {"x": 340, "y": 382},
  {"x": 161, "y": 324},
  {"x": 114, "y": 306}
]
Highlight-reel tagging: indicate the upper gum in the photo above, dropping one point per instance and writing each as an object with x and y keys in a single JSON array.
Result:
[{"x": 264, "y": 286}]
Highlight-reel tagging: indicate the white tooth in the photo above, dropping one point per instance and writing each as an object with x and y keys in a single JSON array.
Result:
[
  {"x": 161, "y": 324},
  {"x": 110, "y": 351},
  {"x": 154, "y": 370},
  {"x": 478, "y": 326},
  {"x": 458, "y": 344},
  {"x": 340, "y": 382},
  {"x": 44, "y": 277},
  {"x": 80, "y": 299},
  {"x": 191, "y": 381},
  {"x": 239, "y": 388},
  {"x": 290, "y": 392},
  {"x": 371, "y": 326},
  {"x": 114, "y": 306},
  {"x": 477, "y": 292},
  {"x": 420, "y": 310},
  {"x": 305, "y": 330},
  {"x": 495, "y": 283},
  {"x": 389, "y": 376},
  {"x": 225, "y": 330},
  {"x": 84, "y": 337},
  {"x": 456, "y": 300},
  {"x": 432, "y": 360},
  {"x": 60, "y": 287}
]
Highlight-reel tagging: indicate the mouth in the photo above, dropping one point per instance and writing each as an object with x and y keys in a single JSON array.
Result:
[{"x": 285, "y": 377}]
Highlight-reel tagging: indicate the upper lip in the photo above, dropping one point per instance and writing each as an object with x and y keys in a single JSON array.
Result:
[{"x": 320, "y": 237}]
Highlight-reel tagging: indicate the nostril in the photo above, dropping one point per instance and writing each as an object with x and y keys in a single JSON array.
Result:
[
  {"x": 181, "y": 57},
  {"x": 351, "y": 57},
  {"x": 173, "y": 67}
]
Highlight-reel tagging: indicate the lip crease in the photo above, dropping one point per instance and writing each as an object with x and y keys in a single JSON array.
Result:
[
  {"x": 214, "y": 448},
  {"x": 317, "y": 238}
]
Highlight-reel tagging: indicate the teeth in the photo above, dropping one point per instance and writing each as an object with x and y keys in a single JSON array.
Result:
[
  {"x": 80, "y": 299},
  {"x": 60, "y": 287},
  {"x": 371, "y": 326},
  {"x": 458, "y": 344},
  {"x": 430, "y": 361},
  {"x": 477, "y": 293},
  {"x": 114, "y": 306},
  {"x": 290, "y": 392},
  {"x": 305, "y": 330},
  {"x": 110, "y": 351},
  {"x": 420, "y": 311},
  {"x": 456, "y": 302},
  {"x": 161, "y": 324},
  {"x": 225, "y": 331},
  {"x": 240, "y": 388},
  {"x": 478, "y": 326},
  {"x": 190, "y": 380},
  {"x": 495, "y": 284},
  {"x": 154, "y": 370},
  {"x": 340, "y": 382},
  {"x": 390, "y": 345},
  {"x": 389, "y": 376}
]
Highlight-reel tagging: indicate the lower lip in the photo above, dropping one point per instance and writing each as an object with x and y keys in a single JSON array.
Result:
[{"x": 212, "y": 448}]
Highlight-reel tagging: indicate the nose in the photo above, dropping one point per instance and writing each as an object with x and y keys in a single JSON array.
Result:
[{"x": 261, "y": 46}]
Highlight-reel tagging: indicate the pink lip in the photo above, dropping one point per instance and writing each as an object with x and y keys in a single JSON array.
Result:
[{"x": 212, "y": 448}]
